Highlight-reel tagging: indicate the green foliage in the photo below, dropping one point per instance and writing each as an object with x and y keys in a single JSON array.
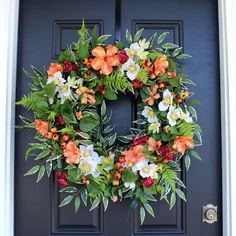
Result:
[
  {"x": 169, "y": 176},
  {"x": 143, "y": 75},
  {"x": 31, "y": 100},
  {"x": 89, "y": 121}
]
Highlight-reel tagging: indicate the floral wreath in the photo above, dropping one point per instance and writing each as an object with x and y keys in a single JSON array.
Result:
[{"x": 75, "y": 136}]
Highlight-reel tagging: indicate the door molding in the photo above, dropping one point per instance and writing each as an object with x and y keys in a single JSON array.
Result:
[{"x": 8, "y": 65}]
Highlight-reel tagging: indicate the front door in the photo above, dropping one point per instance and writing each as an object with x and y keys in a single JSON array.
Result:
[{"x": 46, "y": 28}]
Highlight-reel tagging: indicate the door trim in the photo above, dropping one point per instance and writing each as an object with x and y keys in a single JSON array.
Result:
[{"x": 8, "y": 64}]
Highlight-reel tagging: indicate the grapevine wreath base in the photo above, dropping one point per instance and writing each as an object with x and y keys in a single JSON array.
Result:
[{"x": 74, "y": 133}]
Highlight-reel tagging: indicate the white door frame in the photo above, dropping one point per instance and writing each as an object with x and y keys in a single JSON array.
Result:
[{"x": 8, "y": 62}]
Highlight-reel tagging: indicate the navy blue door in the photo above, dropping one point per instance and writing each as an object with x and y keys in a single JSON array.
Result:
[{"x": 46, "y": 28}]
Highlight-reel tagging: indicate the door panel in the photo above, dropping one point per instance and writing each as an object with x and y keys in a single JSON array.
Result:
[{"x": 46, "y": 28}]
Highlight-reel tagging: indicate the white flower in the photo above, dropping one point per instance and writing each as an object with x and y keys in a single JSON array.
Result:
[
  {"x": 173, "y": 115},
  {"x": 120, "y": 71},
  {"x": 130, "y": 185},
  {"x": 133, "y": 50},
  {"x": 57, "y": 79},
  {"x": 143, "y": 44},
  {"x": 87, "y": 153},
  {"x": 149, "y": 114},
  {"x": 72, "y": 81},
  {"x": 147, "y": 170},
  {"x": 154, "y": 127},
  {"x": 131, "y": 69},
  {"x": 185, "y": 116},
  {"x": 167, "y": 100},
  {"x": 142, "y": 55},
  {"x": 89, "y": 166},
  {"x": 64, "y": 92}
]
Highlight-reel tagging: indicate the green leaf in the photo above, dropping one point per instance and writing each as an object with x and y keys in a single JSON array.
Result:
[
  {"x": 84, "y": 135},
  {"x": 108, "y": 129},
  {"x": 103, "y": 108},
  {"x": 112, "y": 139},
  {"x": 85, "y": 142},
  {"x": 77, "y": 203},
  {"x": 192, "y": 111},
  {"x": 84, "y": 196},
  {"x": 194, "y": 101},
  {"x": 94, "y": 34},
  {"x": 172, "y": 200},
  {"x": 95, "y": 203},
  {"x": 49, "y": 89},
  {"x": 181, "y": 194},
  {"x": 129, "y": 176},
  {"x": 176, "y": 52},
  {"x": 142, "y": 215},
  {"x": 195, "y": 154},
  {"x": 33, "y": 170},
  {"x": 187, "y": 161},
  {"x": 69, "y": 189},
  {"x": 41, "y": 173},
  {"x": 169, "y": 46},
  {"x": 186, "y": 81},
  {"x": 66, "y": 201},
  {"x": 67, "y": 113},
  {"x": 43, "y": 154},
  {"x": 89, "y": 121},
  {"x": 138, "y": 35},
  {"x": 103, "y": 38},
  {"x": 49, "y": 168},
  {"x": 162, "y": 37},
  {"x": 149, "y": 209},
  {"x": 110, "y": 95},
  {"x": 183, "y": 56},
  {"x": 105, "y": 203},
  {"x": 151, "y": 40},
  {"x": 128, "y": 36}
]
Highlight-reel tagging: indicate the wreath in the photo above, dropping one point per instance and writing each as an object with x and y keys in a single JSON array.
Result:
[{"x": 74, "y": 133}]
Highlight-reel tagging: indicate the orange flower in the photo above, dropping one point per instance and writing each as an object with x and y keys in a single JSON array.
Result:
[
  {"x": 79, "y": 115},
  {"x": 171, "y": 74},
  {"x": 42, "y": 127},
  {"x": 161, "y": 64},
  {"x": 88, "y": 95},
  {"x": 153, "y": 145},
  {"x": 133, "y": 155},
  {"x": 105, "y": 60},
  {"x": 153, "y": 96},
  {"x": 72, "y": 153},
  {"x": 54, "y": 67},
  {"x": 182, "y": 143}
]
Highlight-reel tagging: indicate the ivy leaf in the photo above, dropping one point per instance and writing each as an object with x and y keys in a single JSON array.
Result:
[
  {"x": 84, "y": 196},
  {"x": 41, "y": 173},
  {"x": 128, "y": 36},
  {"x": 69, "y": 189},
  {"x": 195, "y": 154},
  {"x": 172, "y": 200},
  {"x": 142, "y": 215},
  {"x": 33, "y": 170},
  {"x": 149, "y": 209},
  {"x": 66, "y": 201},
  {"x": 187, "y": 161},
  {"x": 181, "y": 194},
  {"x": 103, "y": 38},
  {"x": 77, "y": 203},
  {"x": 95, "y": 203},
  {"x": 105, "y": 203},
  {"x": 103, "y": 108},
  {"x": 138, "y": 35},
  {"x": 162, "y": 37}
]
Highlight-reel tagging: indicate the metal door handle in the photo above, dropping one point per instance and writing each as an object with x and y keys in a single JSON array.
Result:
[{"x": 209, "y": 213}]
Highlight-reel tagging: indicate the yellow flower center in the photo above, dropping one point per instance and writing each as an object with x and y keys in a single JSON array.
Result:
[
  {"x": 132, "y": 69},
  {"x": 86, "y": 167},
  {"x": 132, "y": 52},
  {"x": 87, "y": 153},
  {"x": 63, "y": 89},
  {"x": 151, "y": 114},
  {"x": 145, "y": 169},
  {"x": 56, "y": 81},
  {"x": 167, "y": 100},
  {"x": 173, "y": 116},
  {"x": 183, "y": 115},
  {"x": 154, "y": 126}
]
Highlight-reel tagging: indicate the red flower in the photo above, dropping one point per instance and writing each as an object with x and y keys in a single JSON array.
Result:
[
  {"x": 140, "y": 140},
  {"x": 148, "y": 182},
  {"x": 59, "y": 120},
  {"x": 62, "y": 179},
  {"x": 68, "y": 66},
  {"x": 167, "y": 152},
  {"x": 170, "y": 156},
  {"x": 137, "y": 84},
  {"x": 123, "y": 57},
  {"x": 101, "y": 89}
]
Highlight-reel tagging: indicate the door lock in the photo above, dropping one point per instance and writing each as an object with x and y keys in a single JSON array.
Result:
[{"x": 209, "y": 213}]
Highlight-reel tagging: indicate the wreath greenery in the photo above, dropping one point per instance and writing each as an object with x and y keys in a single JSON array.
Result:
[{"x": 74, "y": 132}]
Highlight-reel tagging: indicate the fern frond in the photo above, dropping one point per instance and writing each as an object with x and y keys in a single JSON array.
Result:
[
  {"x": 116, "y": 84},
  {"x": 30, "y": 101},
  {"x": 169, "y": 176},
  {"x": 143, "y": 75}
]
